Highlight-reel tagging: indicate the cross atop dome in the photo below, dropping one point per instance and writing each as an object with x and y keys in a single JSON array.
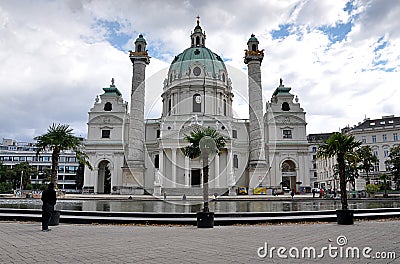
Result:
[{"x": 198, "y": 36}]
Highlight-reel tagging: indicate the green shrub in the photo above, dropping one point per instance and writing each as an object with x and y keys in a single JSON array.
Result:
[
  {"x": 371, "y": 188},
  {"x": 6, "y": 187}
]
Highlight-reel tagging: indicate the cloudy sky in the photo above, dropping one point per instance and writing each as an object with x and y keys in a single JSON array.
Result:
[{"x": 342, "y": 58}]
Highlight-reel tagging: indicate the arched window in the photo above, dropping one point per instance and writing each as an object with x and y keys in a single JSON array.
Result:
[
  {"x": 108, "y": 106},
  {"x": 202, "y": 41},
  {"x": 139, "y": 47},
  {"x": 197, "y": 41},
  {"x": 285, "y": 106},
  {"x": 169, "y": 106},
  {"x": 197, "y": 103},
  {"x": 254, "y": 47}
]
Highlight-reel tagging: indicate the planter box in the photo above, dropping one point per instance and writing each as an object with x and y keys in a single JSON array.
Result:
[
  {"x": 345, "y": 217},
  {"x": 205, "y": 220},
  {"x": 55, "y": 218}
]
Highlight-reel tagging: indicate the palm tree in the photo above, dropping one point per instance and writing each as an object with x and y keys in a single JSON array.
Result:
[
  {"x": 342, "y": 146},
  {"x": 210, "y": 140},
  {"x": 59, "y": 138}
]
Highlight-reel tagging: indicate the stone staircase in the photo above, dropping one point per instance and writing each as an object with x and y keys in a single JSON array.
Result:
[{"x": 191, "y": 191}]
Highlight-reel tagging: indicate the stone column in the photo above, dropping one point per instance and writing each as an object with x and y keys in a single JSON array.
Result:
[
  {"x": 173, "y": 161},
  {"x": 161, "y": 164},
  {"x": 257, "y": 162},
  {"x": 216, "y": 173},
  {"x": 187, "y": 172},
  {"x": 134, "y": 173}
]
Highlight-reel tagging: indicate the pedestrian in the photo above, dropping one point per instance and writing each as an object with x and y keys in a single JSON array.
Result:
[
  {"x": 292, "y": 193},
  {"x": 49, "y": 199},
  {"x": 321, "y": 193},
  {"x": 165, "y": 196},
  {"x": 313, "y": 193}
]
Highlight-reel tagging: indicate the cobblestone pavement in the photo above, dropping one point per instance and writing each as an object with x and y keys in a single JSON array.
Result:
[{"x": 22, "y": 242}]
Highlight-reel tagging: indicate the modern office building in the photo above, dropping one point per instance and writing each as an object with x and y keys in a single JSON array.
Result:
[{"x": 12, "y": 153}]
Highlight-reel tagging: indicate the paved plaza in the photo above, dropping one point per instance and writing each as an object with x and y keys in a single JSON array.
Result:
[{"x": 23, "y": 242}]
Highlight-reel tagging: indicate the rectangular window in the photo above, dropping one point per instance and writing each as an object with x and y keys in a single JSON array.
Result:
[
  {"x": 158, "y": 133},
  {"x": 376, "y": 153},
  {"x": 363, "y": 140},
  {"x": 234, "y": 133},
  {"x": 105, "y": 133},
  {"x": 287, "y": 133},
  {"x": 21, "y": 158},
  {"x": 29, "y": 158},
  {"x": 157, "y": 161},
  {"x": 235, "y": 161},
  {"x": 374, "y": 139},
  {"x": 395, "y": 137},
  {"x": 376, "y": 166},
  {"x": 384, "y": 137}
]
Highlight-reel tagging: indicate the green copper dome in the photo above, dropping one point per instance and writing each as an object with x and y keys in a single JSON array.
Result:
[{"x": 213, "y": 63}]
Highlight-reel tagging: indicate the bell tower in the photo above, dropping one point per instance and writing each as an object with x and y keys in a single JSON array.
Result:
[
  {"x": 257, "y": 163},
  {"x": 133, "y": 176}
]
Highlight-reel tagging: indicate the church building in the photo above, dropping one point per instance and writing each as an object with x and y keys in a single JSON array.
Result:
[{"x": 134, "y": 155}]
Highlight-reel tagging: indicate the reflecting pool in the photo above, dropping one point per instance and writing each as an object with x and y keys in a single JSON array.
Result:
[{"x": 160, "y": 206}]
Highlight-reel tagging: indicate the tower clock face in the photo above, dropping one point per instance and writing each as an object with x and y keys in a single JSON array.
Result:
[
  {"x": 198, "y": 99},
  {"x": 196, "y": 71}
]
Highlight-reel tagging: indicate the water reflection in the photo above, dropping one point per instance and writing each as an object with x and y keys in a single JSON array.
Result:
[{"x": 192, "y": 207}]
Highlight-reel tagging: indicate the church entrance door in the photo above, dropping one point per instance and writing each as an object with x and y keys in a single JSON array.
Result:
[
  {"x": 196, "y": 176},
  {"x": 104, "y": 183}
]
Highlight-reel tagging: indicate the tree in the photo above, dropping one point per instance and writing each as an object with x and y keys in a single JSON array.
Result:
[
  {"x": 394, "y": 164},
  {"x": 342, "y": 146},
  {"x": 207, "y": 137},
  {"x": 384, "y": 177},
  {"x": 367, "y": 159},
  {"x": 26, "y": 171},
  {"x": 60, "y": 138}
]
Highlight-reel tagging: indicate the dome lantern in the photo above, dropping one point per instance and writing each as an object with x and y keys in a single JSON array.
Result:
[{"x": 198, "y": 37}]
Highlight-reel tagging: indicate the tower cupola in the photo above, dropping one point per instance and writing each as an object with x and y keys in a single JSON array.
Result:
[
  {"x": 252, "y": 43},
  {"x": 140, "y": 44},
  {"x": 198, "y": 37}
]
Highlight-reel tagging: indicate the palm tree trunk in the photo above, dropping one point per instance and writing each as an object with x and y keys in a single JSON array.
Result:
[
  {"x": 205, "y": 183},
  {"x": 342, "y": 178},
  {"x": 55, "y": 156}
]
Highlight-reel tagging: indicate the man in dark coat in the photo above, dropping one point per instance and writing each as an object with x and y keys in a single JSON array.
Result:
[{"x": 49, "y": 199}]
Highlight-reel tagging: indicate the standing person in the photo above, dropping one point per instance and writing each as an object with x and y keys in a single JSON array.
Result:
[
  {"x": 49, "y": 199},
  {"x": 292, "y": 193},
  {"x": 313, "y": 193}
]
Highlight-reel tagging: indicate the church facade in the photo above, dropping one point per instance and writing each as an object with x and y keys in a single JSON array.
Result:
[{"x": 134, "y": 155}]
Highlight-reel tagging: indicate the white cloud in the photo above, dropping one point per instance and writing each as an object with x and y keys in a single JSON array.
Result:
[{"x": 56, "y": 58}]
